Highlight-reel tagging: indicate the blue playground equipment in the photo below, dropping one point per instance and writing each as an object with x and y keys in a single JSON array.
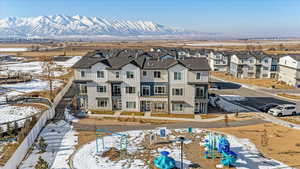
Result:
[
  {"x": 228, "y": 157},
  {"x": 123, "y": 141},
  {"x": 222, "y": 145},
  {"x": 164, "y": 161}
]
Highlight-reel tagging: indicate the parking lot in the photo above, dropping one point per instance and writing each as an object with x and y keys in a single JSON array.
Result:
[{"x": 254, "y": 98}]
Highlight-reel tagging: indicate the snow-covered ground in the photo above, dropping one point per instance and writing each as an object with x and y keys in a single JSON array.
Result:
[
  {"x": 225, "y": 104},
  {"x": 250, "y": 157},
  {"x": 61, "y": 140},
  {"x": 87, "y": 157},
  {"x": 35, "y": 68},
  {"x": 11, "y": 113},
  {"x": 234, "y": 97},
  {"x": 13, "y": 49}
]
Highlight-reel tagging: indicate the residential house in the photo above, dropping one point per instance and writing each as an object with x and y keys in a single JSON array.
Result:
[
  {"x": 289, "y": 70},
  {"x": 253, "y": 65},
  {"x": 131, "y": 82}
]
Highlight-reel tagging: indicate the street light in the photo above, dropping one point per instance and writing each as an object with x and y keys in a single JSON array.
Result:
[{"x": 181, "y": 139}]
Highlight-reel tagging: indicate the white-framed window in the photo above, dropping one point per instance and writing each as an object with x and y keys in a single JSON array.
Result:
[
  {"x": 101, "y": 89},
  {"x": 100, "y": 74},
  {"x": 117, "y": 75},
  {"x": 83, "y": 89},
  {"x": 101, "y": 102},
  {"x": 130, "y": 75},
  {"x": 177, "y": 91},
  {"x": 177, "y": 107},
  {"x": 265, "y": 68},
  {"x": 130, "y": 89},
  {"x": 177, "y": 76},
  {"x": 144, "y": 73},
  {"x": 198, "y": 76},
  {"x": 160, "y": 89},
  {"x": 145, "y": 90},
  {"x": 159, "y": 106},
  {"x": 199, "y": 92},
  {"x": 156, "y": 74},
  {"x": 82, "y": 73},
  {"x": 130, "y": 105}
]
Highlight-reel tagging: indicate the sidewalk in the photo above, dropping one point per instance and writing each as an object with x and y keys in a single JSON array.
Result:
[{"x": 146, "y": 116}]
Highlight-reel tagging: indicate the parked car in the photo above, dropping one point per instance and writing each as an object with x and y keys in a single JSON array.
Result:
[
  {"x": 265, "y": 108},
  {"x": 283, "y": 110}
]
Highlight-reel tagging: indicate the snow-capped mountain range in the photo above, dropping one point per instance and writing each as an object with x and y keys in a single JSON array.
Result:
[{"x": 61, "y": 25}]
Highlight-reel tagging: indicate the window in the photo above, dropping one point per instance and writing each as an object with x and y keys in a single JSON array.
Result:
[
  {"x": 144, "y": 73},
  {"x": 160, "y": 89},
  {"x": 82, "y": 73},
  {"x": 274, "y": 68},
  {"x": 117, "y": 75},
  {"x": 130, "y": 75},
  {"x": 100, "y": 74},
  {"x": 130, "y": 105},
  {"x": 101, "y": 102},
  {"x": 145, "y": 90},
  {"x": 156, "y": 74},
  {"x": 199, "y": 92},
  {"x": 198, "y": 76},
  {"x": 177, "y": 76},
  {"x": 101, "y": 89},
  {"x": 83, "y": 89},
  {"x": 265, "y": 68},
  {"x": 159, "y": 106},
  {"x": 177, "y": 92},
  {"x": 130, "y": 90},
  {"x": 177, "y": 107},
  {"x": 265, "y": 75}
]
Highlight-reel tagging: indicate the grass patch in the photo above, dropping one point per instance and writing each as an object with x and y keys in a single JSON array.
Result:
[
  {"x": 208, "y": 116},
  {"x": 191, "y": 116},
  {"x": 109, "y": 112},
  {"x": 8, "y": 150},
  {"x": 267, "y": 83},
  {"x": 128, "y": 113},
  {"x": 290, "y": 96}
]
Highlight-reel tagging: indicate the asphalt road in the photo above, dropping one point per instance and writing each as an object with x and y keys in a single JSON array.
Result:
[{"x": 255, "y": 98}]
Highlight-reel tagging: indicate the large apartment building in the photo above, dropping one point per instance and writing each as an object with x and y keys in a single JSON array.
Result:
[
  {"x": 289, "y": 70},
  {"x": 130, "y": 81},
  {"x": 253, "y": 65}
]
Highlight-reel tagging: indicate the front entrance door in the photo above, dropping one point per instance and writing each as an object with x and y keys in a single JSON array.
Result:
[
  {"x": 145, "y": 106},
  {"x": 117, "y": 104}
]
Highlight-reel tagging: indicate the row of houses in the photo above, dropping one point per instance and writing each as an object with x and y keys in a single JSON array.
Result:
[
  {"x": 257, "y": 64},
  {"x": 131, "y": 80}
]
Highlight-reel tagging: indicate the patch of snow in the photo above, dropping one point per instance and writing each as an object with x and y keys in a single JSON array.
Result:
[
  {"x": 234, "y": 97},
  {"x": 69, "y": 62},
  {"x": 13, "y": 49},
  {"x": 61, "y": 139}
]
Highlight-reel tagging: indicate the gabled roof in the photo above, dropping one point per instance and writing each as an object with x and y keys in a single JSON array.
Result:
[{"x": 145, "y": 60}]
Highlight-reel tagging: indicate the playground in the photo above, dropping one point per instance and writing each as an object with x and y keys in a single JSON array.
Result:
[{"x": 164, "y": 148}]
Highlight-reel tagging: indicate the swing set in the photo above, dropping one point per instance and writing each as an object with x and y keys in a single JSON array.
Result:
[{"x": 123, "y": 141}]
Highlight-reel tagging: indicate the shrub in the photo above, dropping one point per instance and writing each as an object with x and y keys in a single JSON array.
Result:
[{"x": 41, "y": 164}]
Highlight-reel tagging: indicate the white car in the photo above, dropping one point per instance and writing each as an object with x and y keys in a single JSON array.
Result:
[{"x": 283, "y": 110}]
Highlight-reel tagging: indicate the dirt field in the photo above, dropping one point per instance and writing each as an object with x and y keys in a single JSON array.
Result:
[
  {"x": 283, "y": 144},
  {"x": 290, "y": 96},
  {"x": 268, "y": 83}
]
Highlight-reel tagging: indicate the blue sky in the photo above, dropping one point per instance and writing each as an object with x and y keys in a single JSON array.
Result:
[{"x": 227, "y": 16}]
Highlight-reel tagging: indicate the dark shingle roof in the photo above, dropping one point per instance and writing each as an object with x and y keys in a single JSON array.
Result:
[{"x": 147, "y": 60}]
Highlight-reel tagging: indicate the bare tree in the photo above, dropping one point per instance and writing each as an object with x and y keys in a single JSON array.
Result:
[{"x": 48, "y": 66}]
